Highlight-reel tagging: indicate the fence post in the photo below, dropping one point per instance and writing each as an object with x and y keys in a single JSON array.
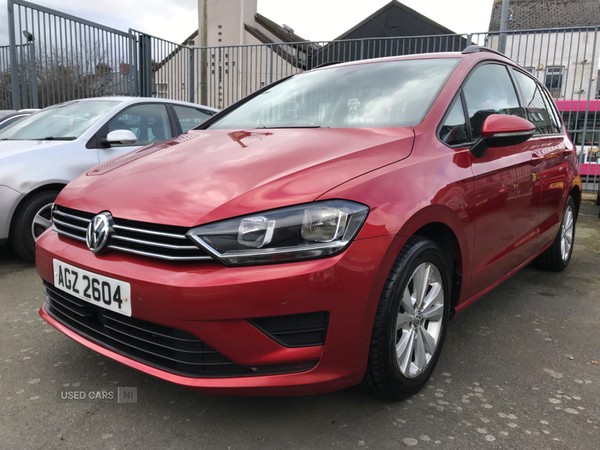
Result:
[
  {"x": 145, "y": 60},
  {"x": 362, "y": 48},
  {"x": 133, "y": 78},
  {"x": 14, "y": 65},
  {"x": 33, "y": 75},
  {"x": 191, "y": 80},
  {"x": 469, "y": 39},
  {"x": 271, "y": 70}
]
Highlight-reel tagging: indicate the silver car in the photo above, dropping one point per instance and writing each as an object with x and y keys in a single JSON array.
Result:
[{"x": 41, "y": 153}]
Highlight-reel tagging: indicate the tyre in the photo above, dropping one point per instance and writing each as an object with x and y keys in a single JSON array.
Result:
[
  {"x": 31, "y": 219},
  {"x": 410, "y": 323},
  {"x": 557, "y": 256}
]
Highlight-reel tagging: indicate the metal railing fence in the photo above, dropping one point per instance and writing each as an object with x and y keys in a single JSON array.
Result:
[
  {"x": 5, "y": 86},
  {"x": 60, "y": 57},
  {"x": 54, "y": 57}
]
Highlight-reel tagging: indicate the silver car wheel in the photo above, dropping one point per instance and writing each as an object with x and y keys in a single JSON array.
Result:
[
  {"x": 567, "y": 231},
  {"x": 42, "y": 221},
  {"x": 419, "y": 320}
]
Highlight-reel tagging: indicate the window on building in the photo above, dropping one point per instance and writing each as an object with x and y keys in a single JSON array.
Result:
[
  {"x": 554, "y": 80},
  {"x": 161, "y": 90}
]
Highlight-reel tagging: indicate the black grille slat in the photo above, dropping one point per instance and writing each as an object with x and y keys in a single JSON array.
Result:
[
  {"x": 140, "y": 238},
  {"x": 143, "y": 344}
]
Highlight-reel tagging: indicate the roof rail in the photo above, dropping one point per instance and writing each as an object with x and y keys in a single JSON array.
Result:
[
  {"x": 480, "y": 48},
  {"x": 325, "y": 64}
]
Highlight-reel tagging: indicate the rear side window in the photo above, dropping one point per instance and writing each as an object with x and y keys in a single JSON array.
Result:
[
  {"x": 189, "y": 117},
  {"x": 553, "y": 113},
  {"x": 537, "y": 106},
  {"x": 454, "y": 128},
  {"x": 488, "y": 91}
]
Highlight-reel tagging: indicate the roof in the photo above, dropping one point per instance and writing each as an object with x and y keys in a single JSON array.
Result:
[
  {"x": 277, "y": 30},
  {"x": 389, "y": 29},
  {"x": 130, "y": 99},
  {"x": 533, "y": 14}
]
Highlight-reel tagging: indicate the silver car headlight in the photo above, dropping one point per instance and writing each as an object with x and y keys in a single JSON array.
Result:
[{"x": 295, "y": 233}]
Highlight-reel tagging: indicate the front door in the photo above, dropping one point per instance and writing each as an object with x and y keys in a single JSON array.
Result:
[
  {"x": 149, "y": 122},
  {"x": 505, "y": 208}
]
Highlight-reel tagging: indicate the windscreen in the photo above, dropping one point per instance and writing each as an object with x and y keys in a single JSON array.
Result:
[
  {"x": 65, "y": 121},
  {"x": 373, "y": 95}
]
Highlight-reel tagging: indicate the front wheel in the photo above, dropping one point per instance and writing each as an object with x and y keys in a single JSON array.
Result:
[
  {"x": 411, "y": 320},
  {"x": 31, "y": 219}
]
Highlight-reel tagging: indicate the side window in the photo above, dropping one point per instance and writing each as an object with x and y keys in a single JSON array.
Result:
[
  {"x": 489, "y": 91},
  {"x": 553, "y": 113},
  {"x": 537, "y": 112},
  {"x": 149, "y": 123},
  {"x": 10, "y": 121},
  {"x": 454, "y": 129},
  {"x": 189, "y": 117}
]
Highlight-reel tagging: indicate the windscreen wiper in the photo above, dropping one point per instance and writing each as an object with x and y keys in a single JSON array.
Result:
[{"x": 56, "y": 138}]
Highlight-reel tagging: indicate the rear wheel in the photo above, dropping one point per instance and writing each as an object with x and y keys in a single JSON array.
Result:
[
  {"x": 31, "y": 219},
  {"x": 410, "y": 324},
  {"x": 558, "y": 255}
]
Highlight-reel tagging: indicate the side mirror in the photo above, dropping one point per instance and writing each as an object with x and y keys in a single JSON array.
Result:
[
  {"x": 119, "y": 137},
  {"x": 500, "y": 130},
  {"x": 597, "y": 155}
]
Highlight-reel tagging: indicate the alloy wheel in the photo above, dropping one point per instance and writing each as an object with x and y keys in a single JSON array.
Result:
[
  {"x": 420, "y": 320},
  {"x": 567, "y": 231},
  {"x": 42, "y": 221}
]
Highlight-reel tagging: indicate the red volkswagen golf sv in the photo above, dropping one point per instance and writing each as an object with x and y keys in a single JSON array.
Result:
[{"x": 321, "y": 232}]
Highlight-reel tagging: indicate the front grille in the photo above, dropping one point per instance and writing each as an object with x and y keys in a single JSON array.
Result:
[
  {"x": 146, "y": 239},
  {"x": 163, "y": 347},
  {"x": 295, "y": 330}
]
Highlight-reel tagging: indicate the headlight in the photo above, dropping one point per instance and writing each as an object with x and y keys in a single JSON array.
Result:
[{"x": 297, "y": 233}]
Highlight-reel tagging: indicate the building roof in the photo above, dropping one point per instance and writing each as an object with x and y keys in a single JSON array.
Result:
[
  {"x": 390, "y": 30},
  {"x": 533, "y": 14},
  {"x": 277, "y": 30}
]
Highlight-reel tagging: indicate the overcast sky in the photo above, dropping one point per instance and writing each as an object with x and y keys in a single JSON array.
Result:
[{"x": 312, "y": 19}]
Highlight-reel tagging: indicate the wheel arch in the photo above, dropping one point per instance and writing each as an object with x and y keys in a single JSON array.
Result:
[
  {"x": 446, "y": 239},
  {"x": 44, "y": 188},
  {"x": 576, "y": 194}
]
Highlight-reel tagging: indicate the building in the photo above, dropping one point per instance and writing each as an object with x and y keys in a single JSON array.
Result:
[
  {"x": 236, "y": 50},
  {"x": 390, "y": 31},
  {"x": 555, "y": 41}
]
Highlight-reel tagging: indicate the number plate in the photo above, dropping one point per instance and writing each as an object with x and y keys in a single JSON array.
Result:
[{"x": 96, "y": 289}]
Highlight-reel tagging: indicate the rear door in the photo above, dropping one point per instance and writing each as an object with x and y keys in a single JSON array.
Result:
[
  {"x": 551, "y": 155},
  {"x": 505, "y": 209}
]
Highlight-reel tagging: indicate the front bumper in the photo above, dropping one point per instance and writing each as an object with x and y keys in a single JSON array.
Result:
[{"x": 213, "y": 303}]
